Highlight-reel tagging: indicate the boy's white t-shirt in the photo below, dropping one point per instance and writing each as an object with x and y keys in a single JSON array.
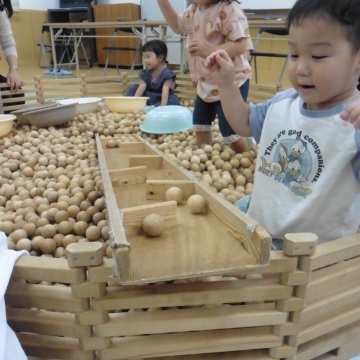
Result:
[{"x": 307, "y": 170}]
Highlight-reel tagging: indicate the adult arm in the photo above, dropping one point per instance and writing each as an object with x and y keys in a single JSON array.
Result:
[{"x": 8, "y": 45}]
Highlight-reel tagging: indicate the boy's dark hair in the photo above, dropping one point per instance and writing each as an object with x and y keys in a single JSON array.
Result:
[
  {"x": 345, "y": 12},
  {"x": 7, "y": 6},
  {"x": 156, "y": 46}
]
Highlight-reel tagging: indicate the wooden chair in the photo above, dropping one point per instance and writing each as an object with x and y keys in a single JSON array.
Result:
[{"x": 255, "y": 53}]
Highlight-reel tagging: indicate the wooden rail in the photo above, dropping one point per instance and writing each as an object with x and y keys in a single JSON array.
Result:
[{"x": 41, "y": 90}]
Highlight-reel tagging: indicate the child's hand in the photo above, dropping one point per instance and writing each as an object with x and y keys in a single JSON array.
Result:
[
  {"x": 352, "y": 114},
  {"x": 198, "y": 48},
  {"x": 194, "y": 78},
  {"x": 222, "y": 71}
]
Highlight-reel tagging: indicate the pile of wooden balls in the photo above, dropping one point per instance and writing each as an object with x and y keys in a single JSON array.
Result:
[
  {"x": 229, "y": 174},
  {"x": 51, "y": 188}
]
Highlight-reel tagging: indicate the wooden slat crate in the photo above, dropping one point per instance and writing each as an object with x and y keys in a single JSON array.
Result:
[{"x": 302, "y": 306}]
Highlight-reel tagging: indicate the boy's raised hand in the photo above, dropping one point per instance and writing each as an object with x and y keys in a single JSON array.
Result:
[
  {"x": 222, "y": 70},
  {"x": 352, "y": 114}
]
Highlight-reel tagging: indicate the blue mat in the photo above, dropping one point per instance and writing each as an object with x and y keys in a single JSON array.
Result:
[{"x": 59, "y": 72}]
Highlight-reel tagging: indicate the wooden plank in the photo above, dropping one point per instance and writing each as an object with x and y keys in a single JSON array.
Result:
[
  {"x": 332, "y": 252},
  {"x": 278, "y": 264},
  {"x": 337, "y": 301},
  {"x": 118, "y": 238},
  {"x": 156, "y": 189},
  {"x": 190, "y": 343},
  {"x": 320, "y": 345},
  {"x": 134, "y": 216},
  {"x": 56, "y": 347},
  {"x": 199, "y": 319},
  {"x": 36, "y": 268},
  {"x": 197, "y": 293},
  {"x": 150, "y": 161},
  {"x": 332, "y": 321},
  {"x": 133, "y": 175},
  {"x": 349, "y": 350},
  {"x": 46, "y": 323},
  {"x": 332, "y": 280},
  {"x": 233, "y": 355},
  {"x": 56, "y": 298}
]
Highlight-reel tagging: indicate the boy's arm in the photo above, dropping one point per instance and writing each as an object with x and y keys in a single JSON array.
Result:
[
  {"x": 170, "y": 15},
  {"x": 352, "y": 114},
  {"x": 222, "y": 73},
  {"x": 141, "y": 88}
]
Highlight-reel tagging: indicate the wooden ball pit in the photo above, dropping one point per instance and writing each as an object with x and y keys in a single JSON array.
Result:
[{"x": 302, "y": 305}]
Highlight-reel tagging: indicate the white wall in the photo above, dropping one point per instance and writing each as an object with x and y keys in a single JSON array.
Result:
[
  {"x": 39, "y": 4},
  {"x": 54, "y": 4},
  {"x": 267, "y": 4}
]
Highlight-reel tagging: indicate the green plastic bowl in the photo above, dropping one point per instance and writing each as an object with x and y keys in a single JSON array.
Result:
[{"x": 167, "y": 120}]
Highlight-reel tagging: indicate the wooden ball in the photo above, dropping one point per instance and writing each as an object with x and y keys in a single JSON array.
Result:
[
  {"x": 174, "y": 193},
  {"x": 153, "y": 225},
  {"x": 196, "y": 204}
]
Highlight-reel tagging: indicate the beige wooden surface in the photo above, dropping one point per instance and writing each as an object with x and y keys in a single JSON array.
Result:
[{"x": 215, "y": 242}]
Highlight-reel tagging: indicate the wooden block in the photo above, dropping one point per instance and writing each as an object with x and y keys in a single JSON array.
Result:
[
  {"x": 85, "y": 254},
  {"x": 292, "y": 304},
  {"x": 91, "y": 317},
  {"x": 88, "y": 290},
  {"x": 295, "y": 278},
  {"x": 94, "y": 343},
  {"x": 300, "y": 244},
  {"x": 283, "y": 352},
  {"x": 287, "y": 329}
]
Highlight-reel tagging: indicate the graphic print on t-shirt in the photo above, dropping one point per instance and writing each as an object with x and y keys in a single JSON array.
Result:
[{"x": 294, "y": 160}]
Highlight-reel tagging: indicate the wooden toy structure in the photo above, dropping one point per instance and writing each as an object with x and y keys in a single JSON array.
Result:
[
  {"x": 41, "y": 90},
  {"x": 302, "y": 305}
]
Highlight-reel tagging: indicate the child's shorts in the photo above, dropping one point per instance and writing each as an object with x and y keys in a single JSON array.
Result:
[{"x": 205, "y": 112}]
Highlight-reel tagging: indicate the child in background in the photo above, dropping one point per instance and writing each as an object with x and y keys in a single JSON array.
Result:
[
  {"x": 307, "y": 176},
  {"x": 157, "y": 81},
  {"x": 211, "y": 25}
]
